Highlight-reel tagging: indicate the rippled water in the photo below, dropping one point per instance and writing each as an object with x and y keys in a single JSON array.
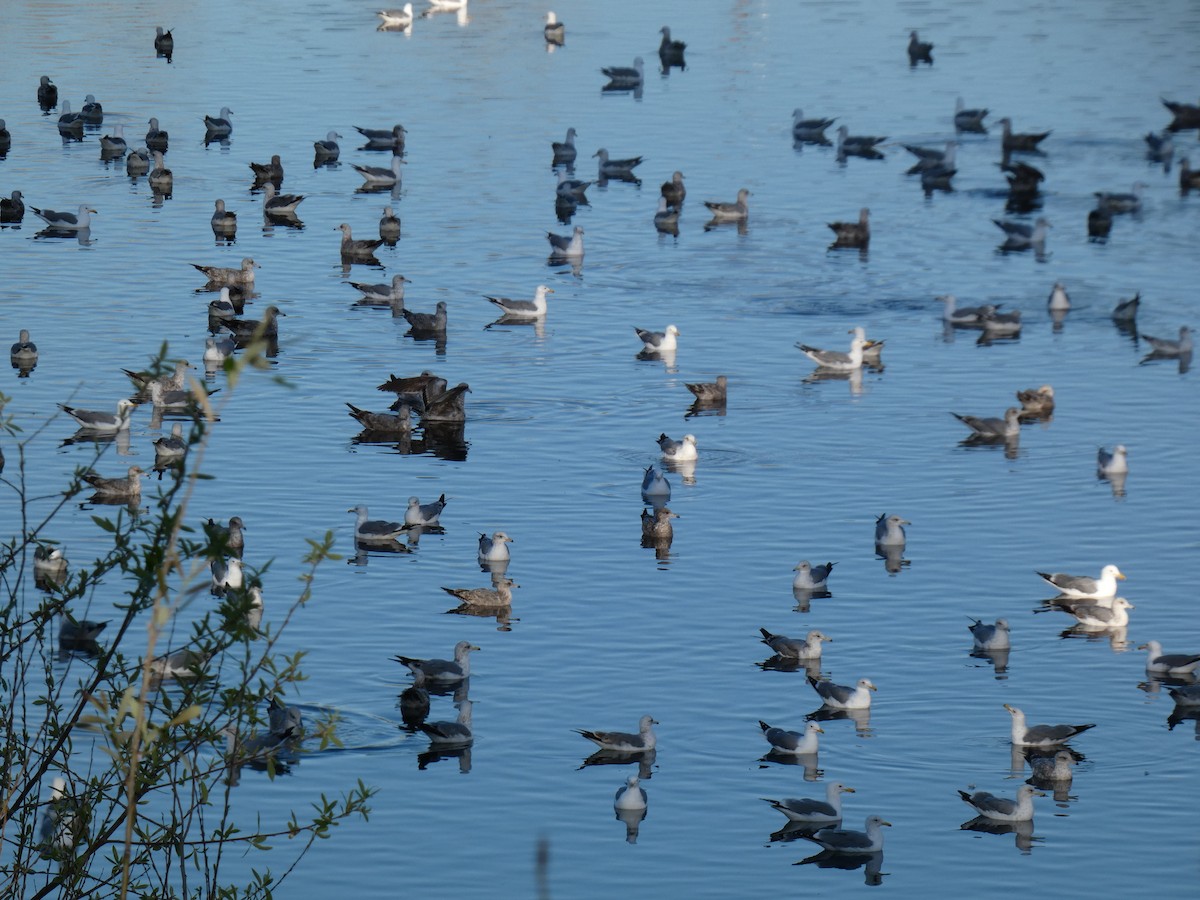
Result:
[{"x": 563, "y": 417}]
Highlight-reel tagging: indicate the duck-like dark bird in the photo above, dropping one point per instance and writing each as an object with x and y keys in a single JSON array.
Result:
[
  {"x": 1027, "y": 142},
  {"x": 1186, "y": 116},
  {"x": 853, "y": 234},
  {"x": 919, "y": 51},
  {"x": 47, "y": 93}
]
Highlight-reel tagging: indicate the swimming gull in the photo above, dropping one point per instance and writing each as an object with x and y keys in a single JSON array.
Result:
[
  {"x": 1130, "y": 202},
  {"x": 396, "y": 18},
  {"x": 657, "y": 525},
  {"x": 327, "y": 150},
  {"x": 624, "y": 76},
  {"x": 50, "y": 565},
  {"x": 991, "y": 427},
  {"x": 1041, "y": 735},
  {"x": 1160, "y": 147},
  {"x": 1023, "y": 181},
  {"x": 999, "y": 324},
  {"x": 563, "y": 247},
  {"x": 709, "y": 391},
  {"x": 814, "y": 811},
  {"x": 227, "y": 539},
  {"x": 224, "y": 307},
  {"x": 1187, "y": 115},
  {"x": 427, "y": 323},
  {"x": 1163, "y": 346},
  {"x": 670, "y": 52},
  {"x": 791, "y": 648},
  {"x": 682, "y": 450},
  {"x": 92, "y": 112},
  {"x": 622, "y": 741},
  {"x": 737, "y": 211},
  {"x": 156, "y": 138},
  {"x": 451, "y": 734},
  {"x": 279, "y": 205},
  {"x": 161, "y": 178},
  {"x": 182, "y": 663},
  {"x": 795, "y": 743},
  {"x": 1058, "y": 301},
  {"x": 249, "y": 329},
  {"x": 113, "y": 144},
  {"x": 553, "y": 31},
  {"x": 1114, "y": 463},
  {"x": 655, "y": 487},
  {"x": 1037, "y": 402},
  {"x": 1159, "y": 663},
  {"x": 223, "y": 220},
  {"x": 658, "y": 341},
  {"x": 443, "y": 671},
  {"x": 128, "y": 487},
  {"x": 1086, "y": 587},
  {"x": 79, "y": 635},
  {"x": 1189, "y": 178},
  {"x": 375, "y": 531},
  {"x": 384, "y": 138},
  {"x": 377, "y": 176},
  {"x": 389, "y": 226},
  {"x": 494, "y": 548},
  {"x": 835, "y": 359},
  {"x": 666, "y": 217},
  {"x": 564, "y": 151},
  {"x": 809, "y": 129},
  {"x": 66, "y": 221},
  {"x": 414, "y": 700},
  {"x": 990, "y": 637},
  {"x": 424, "y": 514},
  {"x": 448, "y": 406},
  {"x": 501, "y": 595},
  {"x": 811, "y": 578},
  {"x": 137, "y": 162},
  {"x": 919, "y": 51},
  {"x": 1015, "y": 141},
  {"x": 272, "y": 171},
  {"x": 12, "y": 209},
  {"x": 968, "y": 119},
  {"x": 164, "y": 41},
  {"x": 357, "y": 249},
  {"x": 853, "y": 234},
  {"x": 47, "y": 92},
  {"x": 227, "y": 575},
  {"x": 70, "y": 122},
  {"x": 840, "y": 696},
  {"x": 631, "y": 795},
  {"x": 849, "y": 841},
  {"x": 398, "y": 423},
  {"x": 1126, "y": 310},
  {"x": 103, "y": 422},
  {"x": 858, "y": 144},
  {"x": 217, "y": 127},
  {"x": 1098, "y": 613},
  {"x": 524, "y": 309},
  {"x": 416, "y": 391},
  {"x": 1186, "y": 694},
  {"x": 571, "y": 189},
  {"x": 1019, "y": 235},
  {"x": 24, "y": 351},
  {"x": 673, "y": 191},
  {"x": 447, "y": 5},
  {"x": 172, "y": 446},
  {"x": 928, "y": 157},
  {"x": 385, "y": 293},
  {"x": 889, "y": 530},
  {"x": 241, "y": 277},
  {"x": 6, "y": 140},
  {"x": 1002, "y": 809},
  {"x": 616, "y": 168}
]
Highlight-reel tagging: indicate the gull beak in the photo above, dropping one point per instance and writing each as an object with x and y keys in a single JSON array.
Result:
[
  {"x": 889, "y": 824},
  {"x": 849, "y": 790},
  {"x": 1010, "y": 709},
  {"x": 872, "y": 687},
  {"x": 820, "y": 729},
  {"x": 1120, "y": 577},
  {"x": 549, "y": 291}
]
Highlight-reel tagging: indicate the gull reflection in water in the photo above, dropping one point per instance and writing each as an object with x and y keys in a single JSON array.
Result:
[
  {"x": 1022, "y": 831},
  {"x": 860, "y": 717},
  {"x": 427, "y": 758},
  {"x": 998, "y": 659},
  {"x": 870, "y": 863},
  {"x": 807, "y": 760},
  {"x": 644, "y": 759}
]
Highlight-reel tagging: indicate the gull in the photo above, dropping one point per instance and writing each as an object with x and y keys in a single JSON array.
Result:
[
  {"x": 889, "y": 530},
  {"x": 1163, "y": 346},
  {"x": 242, "y": 277},
  {"x": 156, "y": 138},
  {"x": 1099, "y": 223},
  {"x": 183, "y": 663},
  {"x": 1114, "y": 463},
  {"x": 678, "y": 451},
  {"x": 1189, "y": 178},
  {"x": 553, "y": 31},
  {"x": 811, "y": 578},
  {"x": 853, "y": 234},
  {"x": 666, "y": 217},
  {"x": 414, "y": 701},
  {"x": 93, "y": 112},
  {"x": 49, "y": 565},
  {"x": 175, "y": 380},
  {"x": 822, "y": 812},
  {"x": 389, "y": 226},
  {"x": 998, "y": 324},
  {"x": 12, "y": 209},
  {"x": 929, "y": 157},
  {"x": 1085, "y": 587},
  {"x": 657, "y": 525},
  {"x": 839, "y": 696},
  {"x": 427, "y": 514},
  {"x": 374, "y": 531},
  {"x": 1037, "y": 401},
  {"x": 857, "y": 144},
  {"x": 384, "y": 138},
  {"x": 248, "y": 329},
  {"x": 1023, "y": 179},
  {"x": 376, "y": 176},
  {"x": 709, "y": 391},
  {"x": 1126, "y": 310},
  {"x": 47, "y": 92},
  {"x": 1041, "y": 735},
  {"x": 164, "y": 42},
  {"x": 658, "y": 341},
  {"x": 448, "y": 406},
  {"x": 809, "y": 129},
  {"x": 1122, "y": 203},
  {"x": 220, "y": 348},
  {"x": 443, "y": 670},
  {"x": 1027, "y": 142},
  {"x": 1058, "y": 301},
  {"x": 494, "y": 548},
  {"x": 624, "y": 76},
  {"x": 564, "y": 152},
  {"x": 791, "y": 648},
  {"x": 227, "y": 575},
  {"x": 968, "y": 119},
  {"x": 673, "y": 191},
  {"x": 524, "y": 309},
  {"x": 631, "y": 795},
  {"x": 102, "y": 422},
  {"x": 846, "y": 840},
  {"x": 227, "y": 539},
  {"x": 129, "y": 487},
  {"x": 451, "y": 734},
  {"x": 1160, "y": 147},
  {"x": 161, "y": 178},
  {"x": 399, "y": 423},
  {"x": 622, "y": 741},
  {"x": 223, "y": 219},
  {"x": 1001, "y": 809},
  {"x": 284, "y": 721},
  {"x": 572, "y": 189},
  {"x": 562, "y": 247},
  {"x": 1186, "y": 694},
  {"x": 396, "y": 18},
  {"x": 616, "y": 168},
  {"x": 223, "y": 307},
  {"x": 219, "y": 126},
  {"x": 835, "y": 359},
  {"x": 1098, "y": 613},
  {"x": 501, "y": 595},
  {"x": 1186, "y": 115},
  {"x": 59, "y": 827},
  {"x": 24, "y": 351},
  {"x": 438, "y": 5},
  {"x": 114, "y": 143},
  {"x": 794, "y": 743},
  {"x": 328, "y": 150},
  {"x": 384, "y": 293},
  {"x": 65, "y": 221},
  {"x": 170, "y": 447},
  {"x": 919, "y": 51},
  {"x": 81, "y": 635},
  {"x": 428, "y": 323},
  {"x": 991, "y": 427},
  {"x": 669, "y": 50},
  {"x": 70, "y": 124},
  {"x": 417, "y": 391},
  {"x": 737, "y": 211},
  {"x": 990, "y": 637},
  {"x": 357, "y": 249},
  {"x": 1019, "y": 235},
  {"x": 276, "y": 204},
  {"x": 655, "y": 487},
  {"x": 1052, "y": 768},
  {"x": 1159, "y": 663}
]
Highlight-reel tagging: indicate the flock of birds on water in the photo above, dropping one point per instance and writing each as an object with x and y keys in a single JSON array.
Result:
[{"x": 1092, "y": 601}]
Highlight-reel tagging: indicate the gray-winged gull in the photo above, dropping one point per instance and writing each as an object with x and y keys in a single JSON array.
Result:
[
  {"x": 266, "y": 327},
  {"x": 156, "y": 138},
  {"x": 501, "y": 595},
  {"x": 1127, "y": 310},
  {"x": 682, "y": 450},
  {"x": 1162, "y": 346},
  {"x": 709, "y": 391},
  {"x": 1159, "y": 663},
  {"x": 889, "y": 530},
  {"x": 357, "y": 249},
  {"x": 92, "y": 112},
  {"x": 858, "y": 144},
  {"x": 836, "y": 360},
  {"x": 1002, "y": 809},
  {"x": 79, "y": 635},
  {"x": 396, "y": 18},
  {"x": 449, "y": 734},
  {"x": 616, "y": 168},
  {"x": 66, "y": 221},
  {"x": 161, "y": 178},
  {"x": 571, "y": 189},
  {"x": 429, "y": 323},
  {"x": 284, "y": 720},
  {"x": 227, "y": 539},
  {"x": 524, "y": 309},
  {"x": 666, "y": 217},
  {"x": 47, "y": 92},
  {"x": 991, "y": 427},
  {"x": 70, "y": 122},
  {"x": 384, "y": 138},
  {"x": 564, "y": 151},
  {"x": 137, "y": 162},
  {"x": 625, "y": 76},
  {"x": 795, "y": 743},
  {"x": 553, "y": 31},
  {"x": 164, "y": 41},
  {"x": 377, "y": 176},
  {"x": 840, "y": 696},
  {"x": 968, "y": 119},
  {"x": 277, "y": 204},
  {"x": 424, "y": 514},
  {"x": 1129, "y": 202},
  {"x": 389, "y": 226},
  {"x": 847, "y": 840},
  {"x": 242, "y": 277},
  {"x": 1019, "y": 234},
  {"x": 128, "y": 487},
  {"x": 113, "y": 144},
  {"x": 385, "y": 293},
  {"x": 375, "y": 531},
  {"x": 1098, "y": 613},
  {"x": 655, "y": 486},
  {"x": 990, "y": 637},
  {"x": 494, "y": 548},
  {"x": 792, "y": 648},
  {"x": 24, "y": 350},
  {"x": 657, "y": 525},
  {"x": 223, "y": 219},
  {"x": 919, "y": 51},
  {"x": 1085, "y": 586},
  {"x": 811, "y": 578},
  {"x": 444, "y": 671},
  {"x": 622, "y": 741},
  {"x": 170, "y": 446},
  {"x": 1037, "y": 402},
  {"x": 397, "y": 423},
  {"x": 809, "y": 129},
  {"x": 1041, "y": 735},
  {"x": 630, "y": 795},
  {"x": 219, "y": 126},
  {"x": 1115, "y": 463},
  {"x": 658, "y": 341},
  {"x": 96, "y": 420},
  {"x": 1186, "y": 694},
  {"x": 814, "y": 811},
  {"x": 962, "y": 315},
  {"x": 49, "y": 564},
  {"x": 563, "y": 247},
  {"x": 227, "y": 575},
  {"x": 328, "y": 150},
  {"x": 737, "y": 211},
  {"x": 1052, "y": 768},
  {"x": 1017, "y": 141},
  {"x": 1000, "y": 324}
]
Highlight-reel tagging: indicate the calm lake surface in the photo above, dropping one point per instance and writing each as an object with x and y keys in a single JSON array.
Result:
[{"x": 563, "y": 418}]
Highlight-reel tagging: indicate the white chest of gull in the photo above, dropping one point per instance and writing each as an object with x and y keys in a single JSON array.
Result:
[
  {"x": 991, "y": 427},
  {"x": 99, "y": 421},
  {"x": 171, "y": 446},
  {"x": 678, "y": 451},
  {"x": 1159, "y": 663},
  {"x": 793, "y": 743},
  {"x": 840, "y": 696},
  {"x": 1098, "y": 613},
  {"x": 658, "y": 341},
  {"x": 223, "y": 220},
  {"x": 1058, "y": 301},
  {"x": 631, "y": 795},
  {"x": 137, "y": 162},
  {"x": 1002, "y": 809},
  {"x": 227, "y": 575},
  {"x": 494, "y": 548},
  {"x": 822, "y": 812},
  {"x": 889, "y": 530},
  {"x": 1041, "y": 735},
  {"x": 524, "y": 309},
  {"x": 1114, "y": 463},
  {"x": 623, "y": 741},
  {"x": 377, "y": 176},
  {"x": 655, "y": 487},
  {"x": 1084, "y": 586},
  {"x": 443, "y": 671},
  {"x": 219, "y": 126},
  {"x": 990, "y": 637},
  {"x": 625, "y": 76},
  {"x": 1019, "y": 235},
  {"x": 374, "y": 531},
  {"x": 424, "y": 514},
  {"x": 564, "y": 247},
  {"x": 451, "y": 734},
  {"x": 836, "y": 360},
  {"x": 811, "y": 578},
  {"x": 161, "y": 178},
  {"x": 66, "y": 221},
  {"x": 792, "y": 648},
  {"x": 849, "y": 841},
  {"x": 738, "y": 211}
]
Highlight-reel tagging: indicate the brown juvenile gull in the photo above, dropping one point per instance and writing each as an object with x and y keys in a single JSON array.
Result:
[
  {"x": 272, "y": 171},
  {"x": 791, "y": 648},
  {"x": 853, "y": 234},
  {"x": 670, "y": 52},
  {"x": 673, "y": 191},
  {"x": 448, "y": 406},
  {"x": 1041, "y": 735},
  {"x": 1189, "y": 178},
  {"x": 709, "y": 391},
  {"x": 1028, "y": 141},
  {"x": 218, "y": 276},
  {"x": 737, "y": 211},
  {"x": 805, "y": 810},
  {"x": 137, "y": 162},
  {"x": 500, "y": 596},
  {"x": 47, "y": 92},
  {"x": 443, "y": 670},
  {"x": 1037, "y": 402},
  {"x": 164, "y": 41},
  {"x": 383, "y": 294},
  {"x": 657, "y": 525},
  {"x": 415, "y": 390},
  {"x": 398, "y": 423},
  {"x": 129, "y": 487},
  {"x": 1126, "y": 310},
  {"x": 12, "y": 209},
  {"x": 622, "y": 741},
  {"x": 812, "y": 130},
  {"x": 357, "y": 249}
]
